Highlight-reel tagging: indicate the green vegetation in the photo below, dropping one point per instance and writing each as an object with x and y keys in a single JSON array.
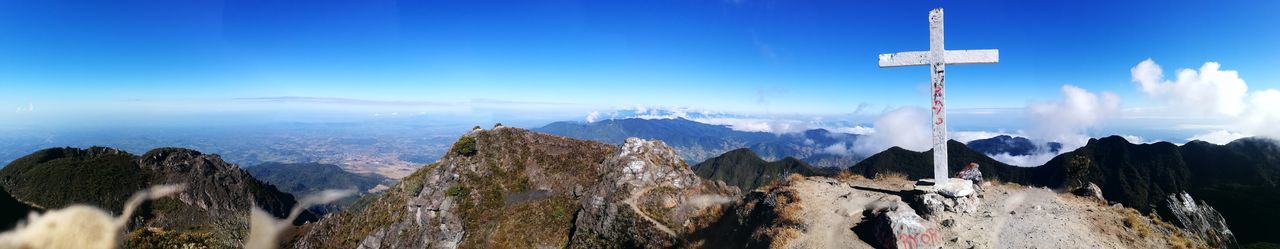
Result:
[
  {"x": 744, "y": 169},
  {"x": 465, "y": 146},
  {"x": 58, "y": 177},
  {"x": 455, "y": 191},
  {"x": 145, "y": 238}
]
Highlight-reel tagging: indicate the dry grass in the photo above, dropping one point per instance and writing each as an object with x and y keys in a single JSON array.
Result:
[
  {"x": 1174, "y": 235},
  {"x": 794, "y": 177},
  {"x": 893, "y": 176},
  {"x": 788, "y": 224},
  {"x": 1177, "y": 241},
  {"x": 1133, "y": 220},
  {"x": 845, "y": 175}
]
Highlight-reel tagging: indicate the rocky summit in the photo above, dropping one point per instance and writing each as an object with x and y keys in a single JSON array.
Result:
[{"x": 509, "y": 187}]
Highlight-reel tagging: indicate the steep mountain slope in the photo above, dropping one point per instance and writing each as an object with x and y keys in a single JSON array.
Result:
[
  {"x": 509, "y": 187},
  {"x": 1238, "y": 179},
  {"x": 1015, "y": 146},
  {"x": 742, "y": 168},
  {"x": 214, "y": 208},
  {"x": 304, "y": 179},
  {"x": 697, "y": 141},
  {"x": 1242, "y": 180},
  {"x": 12, "y": 210}
]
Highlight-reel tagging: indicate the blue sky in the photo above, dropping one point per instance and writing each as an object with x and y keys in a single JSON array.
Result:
[{"x": 69, "y": 60}]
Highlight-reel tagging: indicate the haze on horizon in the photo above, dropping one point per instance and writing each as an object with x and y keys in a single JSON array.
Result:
[{"x": 1148, "y": 70}]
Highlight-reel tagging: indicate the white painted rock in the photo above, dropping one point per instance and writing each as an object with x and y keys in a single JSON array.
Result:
[{"x": 955, "y": 187}]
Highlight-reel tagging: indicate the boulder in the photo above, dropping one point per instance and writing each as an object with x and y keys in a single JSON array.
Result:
[
  {"x": 902, "y": 228},
  {"x": 936, "y": 207},
  {"x": 1089, "y": 190},
  {"x": 955, "y": 187}
]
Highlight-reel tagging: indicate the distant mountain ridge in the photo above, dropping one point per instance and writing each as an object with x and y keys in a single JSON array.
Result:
[
  {"x": 698, "y": 141},
  {"x": 744, "y": 169},
  {"x": 1014, "y": 146},
  {"x": 1240, "y": 179}
]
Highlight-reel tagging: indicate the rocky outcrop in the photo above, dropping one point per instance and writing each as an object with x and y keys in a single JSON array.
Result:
[
  {"x": 1091, "y": 190},
  {"x": 509, "y": 187},
  {"x": 1202, "y": 220},
  {"x": 647, "y": 197},
  {"x": 216, "y": 189},
  {"x": 494, "y": 189}
]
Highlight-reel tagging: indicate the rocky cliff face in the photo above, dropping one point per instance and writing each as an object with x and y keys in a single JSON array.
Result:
[
  {"x": 1203, "y": 220},
  {"x": 212, "y": 211},
  {"x": 509, "y": 187},
  {"x": 216, "y": 188}
]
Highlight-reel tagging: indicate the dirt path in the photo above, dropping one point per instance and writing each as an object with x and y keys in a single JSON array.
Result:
[
  {"x": 831, "y": 209},
  {"x": 631, "y": 201}
]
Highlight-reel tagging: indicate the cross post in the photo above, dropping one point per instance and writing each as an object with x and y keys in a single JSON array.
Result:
[{"x": 937, "y": 58}]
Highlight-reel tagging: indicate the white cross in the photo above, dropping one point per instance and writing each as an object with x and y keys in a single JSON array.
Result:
[{"x": 937, "y": 58}]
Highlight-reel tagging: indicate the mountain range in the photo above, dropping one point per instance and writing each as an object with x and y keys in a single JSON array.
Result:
[
  {"x": 698, "y": 141},
  {"x": 508, "y": 187}
]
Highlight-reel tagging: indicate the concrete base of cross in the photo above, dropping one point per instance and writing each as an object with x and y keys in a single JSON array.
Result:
[{"x": 951, "y": 187}]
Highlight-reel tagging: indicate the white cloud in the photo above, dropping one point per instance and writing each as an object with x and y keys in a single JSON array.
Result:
[
  {"x": 1211, "y": 91},
  {"x": 857, "y": 130},
  {"x": 28, "y": 108},
  {"x": 1064, "y": 120},
  {"x": 1218, "y": 137},
  {"x": 757, "y": 124},
  {"x": 1032, "y": 160},
  {"x": 1263, "y": 115},
  {"x": 593, "y": 116},
  {"x": 1134, "y": 139},
  {"x": 838, "y": 149},
  {"x": 906, "y": 127},
  {"x": 969, "y": 136},
  {"x": 1207, "y": 91}
]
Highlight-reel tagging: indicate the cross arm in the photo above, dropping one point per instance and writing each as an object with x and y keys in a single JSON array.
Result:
[
  {"x": 902, "y": 59},
  {"x": 977, "y": 56},
  {"x": 920, "y": 58}
]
